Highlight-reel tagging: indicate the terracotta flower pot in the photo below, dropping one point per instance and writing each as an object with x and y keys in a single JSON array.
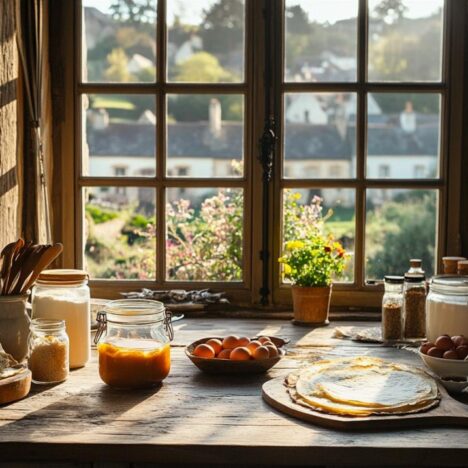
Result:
[{"x": 311, "y": 305}]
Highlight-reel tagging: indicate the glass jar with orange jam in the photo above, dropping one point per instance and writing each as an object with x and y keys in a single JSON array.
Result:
[{"x": 135, "y": 351}]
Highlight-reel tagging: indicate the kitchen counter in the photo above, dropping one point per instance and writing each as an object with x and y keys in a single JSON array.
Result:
[{"x": 197, "y": 418}]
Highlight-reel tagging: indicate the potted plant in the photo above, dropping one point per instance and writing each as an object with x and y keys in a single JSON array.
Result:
[{"x": 311, "y": 264}]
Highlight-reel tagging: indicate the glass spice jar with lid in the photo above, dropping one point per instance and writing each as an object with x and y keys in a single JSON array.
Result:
[
  {"x": 48, "y": 351},
  {"x": 414, "y": 306},
  {"x": 133, "y": 341},
  {"x": 392, "y": 309}
]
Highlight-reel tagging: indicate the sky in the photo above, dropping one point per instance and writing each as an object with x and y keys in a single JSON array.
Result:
[{"x": 190, "y": 11}]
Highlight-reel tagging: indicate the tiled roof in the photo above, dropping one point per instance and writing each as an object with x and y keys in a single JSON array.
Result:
[{"x": 302, "y": 141}]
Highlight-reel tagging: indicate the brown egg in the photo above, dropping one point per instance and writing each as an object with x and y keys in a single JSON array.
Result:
[
  {"x": 243, "y": 342},
  {"x": 215, "y": 344},
  {"x": 224, "y": 354},
  {"x": 450, "y": 354},
  {"x": 462, "y": 351},
  {"x": 426, "y": 347},
  {"x": 240, "y": 354},
  {"x": 262, "y": 339},
  {"x": 459, "y": 340},
  {"x": 253, "y": 345},
  {"x": 444, "y": 343},
  {"x": 204, "y": 351},
  {"x": 261, "y": 352},
  {"x": 272, "y": 350},
  {"x": 435, "y": 352},
  {"x": 230, "y": 342}
]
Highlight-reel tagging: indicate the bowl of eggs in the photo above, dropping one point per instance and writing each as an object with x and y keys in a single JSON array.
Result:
[
  {"x": 446, "y": 356},
  {"x": 236, "y": 355}
]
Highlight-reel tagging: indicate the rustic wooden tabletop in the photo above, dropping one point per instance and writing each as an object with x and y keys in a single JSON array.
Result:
[{"x": 198, "y": 418}]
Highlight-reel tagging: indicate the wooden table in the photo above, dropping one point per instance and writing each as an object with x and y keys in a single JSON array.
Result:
[{"x": 196, "y": 418}]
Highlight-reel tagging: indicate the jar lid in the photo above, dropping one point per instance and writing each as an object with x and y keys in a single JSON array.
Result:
[
  {"x": 456, "y": 284},
  {"x": 394, "y": 279},
  {"x": 62, "y": 276},
  {"x": 134, "y": 310},
  {"x": 414, "y": 277},
  {"x": 452, "y": 259},
  {"x": 415, "y": 262}
]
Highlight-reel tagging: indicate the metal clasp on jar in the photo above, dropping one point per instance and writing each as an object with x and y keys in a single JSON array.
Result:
[
  {"x": 168, "y": 324},
  {"x": 101, "y": 319}
]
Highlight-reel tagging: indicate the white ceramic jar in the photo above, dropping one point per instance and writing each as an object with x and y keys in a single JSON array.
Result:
[
  {"x": 64, "y": 295},
  {"x": 447, "y": 306}
]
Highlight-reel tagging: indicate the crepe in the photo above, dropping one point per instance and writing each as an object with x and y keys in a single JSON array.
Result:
[{"x": 363, "y": 386}]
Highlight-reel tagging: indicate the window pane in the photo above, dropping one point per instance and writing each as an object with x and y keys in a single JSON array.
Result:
[
  {"x": 205, "y": 135},
  {"x": 321, "y": 40},
  {"x": 303, "y": 209},
  {"x": 119, "y": 41},
  {"x": 205, "y": 41},
  {"x": 400, "y": 225},
  {"x": 403, "y": 136},
  {"x": 204, "y": 229},
  {"x": 405, "y": 40},
  {"x": 119, "y": 139},
  {"x": 120, "y": 232},
  {"x": 318, "y": 143}
]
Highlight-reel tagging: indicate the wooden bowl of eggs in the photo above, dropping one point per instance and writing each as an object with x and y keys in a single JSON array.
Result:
[{"x": 236, "y": 355}]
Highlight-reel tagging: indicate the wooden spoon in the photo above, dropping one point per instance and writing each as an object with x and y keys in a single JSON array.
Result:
[
  {"x": 27, "y": 268},
  {"x": 18, "y": 265},
  {"x": 45, "y": 259},
  {"x": 8, "y": 253}
]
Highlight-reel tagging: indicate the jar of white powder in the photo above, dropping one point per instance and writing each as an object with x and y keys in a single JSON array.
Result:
[
  {"x": 447, "y": 307},
  {"x": 64, "y": 295}
]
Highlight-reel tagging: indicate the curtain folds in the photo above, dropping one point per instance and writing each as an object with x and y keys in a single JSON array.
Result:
[{"x": 32, "y": 39}]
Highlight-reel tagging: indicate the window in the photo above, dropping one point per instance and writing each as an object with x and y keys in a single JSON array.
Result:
[{"x": 171, "y": 102}]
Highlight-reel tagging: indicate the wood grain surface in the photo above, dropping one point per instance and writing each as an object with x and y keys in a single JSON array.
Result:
[{"x": 216, "y": 420}]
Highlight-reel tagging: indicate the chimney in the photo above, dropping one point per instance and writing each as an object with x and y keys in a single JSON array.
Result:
[
  {"x": 408, "y": 118},
  {"x": 100, "y": 119},
  {"x": 214, "y": 114}
]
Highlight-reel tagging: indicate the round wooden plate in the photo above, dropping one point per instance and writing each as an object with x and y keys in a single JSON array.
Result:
[
  {"x": 226, "y": 366},
  {"x": 450, "y": 412},
  {"x": 15, "y": 387}
]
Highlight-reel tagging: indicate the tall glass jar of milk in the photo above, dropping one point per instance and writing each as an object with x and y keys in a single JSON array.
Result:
[{"x": 64, "y": 295}]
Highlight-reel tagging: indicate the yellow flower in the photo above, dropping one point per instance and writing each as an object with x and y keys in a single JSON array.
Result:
[
  {"x": 292, "y": 245},
  {"x": 287, "y": 269},
  {"x": 297, "y": 196}
]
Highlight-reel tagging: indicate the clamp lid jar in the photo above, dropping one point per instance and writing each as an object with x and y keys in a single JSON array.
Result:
[{"x": 134, "y": 337}]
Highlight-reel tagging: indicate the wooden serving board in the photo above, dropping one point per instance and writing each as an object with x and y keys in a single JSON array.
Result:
[
  {"x": 16, "y": 387},
  {"x": 450, "y": 412}
]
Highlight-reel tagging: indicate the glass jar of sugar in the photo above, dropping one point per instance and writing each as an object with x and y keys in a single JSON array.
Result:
[
  {"x": 64, "y": 295},
  {"x": 447, "y": 306}
]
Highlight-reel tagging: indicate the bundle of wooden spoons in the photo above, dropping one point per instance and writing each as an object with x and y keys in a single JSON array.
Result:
[{"x": 22, "y": 263}]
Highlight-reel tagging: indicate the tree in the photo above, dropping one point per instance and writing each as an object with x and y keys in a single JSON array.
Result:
[
  {"x": 118, "y": 66},
  {"x": 297, "y": 21},
  {"x": 222, "y": 29},
  {"x": 134, "y": 11},
  {"x": 202, "y": 67},
  {"x": 390, "y": 11}
]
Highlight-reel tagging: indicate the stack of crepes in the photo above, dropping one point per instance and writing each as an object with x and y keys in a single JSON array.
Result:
[{"x": 363, "y": 386}]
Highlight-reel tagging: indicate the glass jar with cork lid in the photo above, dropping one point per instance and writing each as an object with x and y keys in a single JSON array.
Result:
[{"x": 64, "y": 295}]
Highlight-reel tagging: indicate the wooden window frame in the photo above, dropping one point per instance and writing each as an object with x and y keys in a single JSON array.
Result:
[
  {"x": 359, "y": 294},
  {"x": 67, "y": 198}
]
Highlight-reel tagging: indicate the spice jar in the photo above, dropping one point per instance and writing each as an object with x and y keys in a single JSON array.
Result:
[
  {"x": 450, "y": 264},
  {"x": 447, "y": 306},
  {"x": 48, "y": 351},
  {"x": 392, "y": 308},
  {"x": 64, "y": 295},
  {"x": 415, "y": 267},
  {"x": 415, "y": 306},
  {"x": 135, "y": 351}
]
